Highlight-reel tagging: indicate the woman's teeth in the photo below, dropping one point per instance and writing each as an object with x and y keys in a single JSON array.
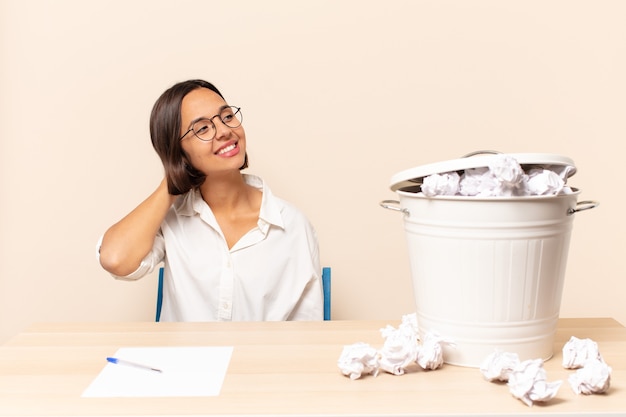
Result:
[{"x": 227, "y": 149}]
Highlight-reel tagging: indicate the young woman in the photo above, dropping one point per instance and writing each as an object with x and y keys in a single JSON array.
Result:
[{"x": 231, "y": 249}]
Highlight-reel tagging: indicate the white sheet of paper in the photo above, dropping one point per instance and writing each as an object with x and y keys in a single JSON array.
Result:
[{"x": 186, "y": 372}]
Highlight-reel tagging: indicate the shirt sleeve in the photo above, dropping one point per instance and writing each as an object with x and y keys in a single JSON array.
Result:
[{"x": 147, "y": 265}]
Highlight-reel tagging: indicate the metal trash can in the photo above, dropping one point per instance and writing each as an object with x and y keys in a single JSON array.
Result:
[{"x": 487, "y": 272}]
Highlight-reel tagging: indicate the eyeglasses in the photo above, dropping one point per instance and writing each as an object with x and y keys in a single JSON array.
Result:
[{"x": 205, "y": 129}]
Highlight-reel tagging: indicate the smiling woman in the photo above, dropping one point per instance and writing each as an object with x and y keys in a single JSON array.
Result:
[
  {"x": 181, "y": 107},
  {"x": 231, "y": 250}
]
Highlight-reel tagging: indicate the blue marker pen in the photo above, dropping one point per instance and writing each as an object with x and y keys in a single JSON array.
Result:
[{"x": 118, "y": 361}]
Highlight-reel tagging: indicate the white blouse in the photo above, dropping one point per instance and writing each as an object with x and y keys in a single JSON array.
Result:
[{"x": 272, "y": 273}]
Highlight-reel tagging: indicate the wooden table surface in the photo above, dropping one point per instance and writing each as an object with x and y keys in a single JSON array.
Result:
[{"x": 282, "y": 368}]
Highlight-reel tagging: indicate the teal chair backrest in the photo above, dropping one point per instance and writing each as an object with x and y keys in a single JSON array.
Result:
[
  {"x": 325, "y": 286},
  {"x": 159, "y": 295}
]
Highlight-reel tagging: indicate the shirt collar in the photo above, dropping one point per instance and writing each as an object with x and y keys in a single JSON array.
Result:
[{"x": 192, "y": 203}]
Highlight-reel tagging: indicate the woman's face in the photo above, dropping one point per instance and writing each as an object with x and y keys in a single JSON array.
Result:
[{"x": 227, "y": 149}]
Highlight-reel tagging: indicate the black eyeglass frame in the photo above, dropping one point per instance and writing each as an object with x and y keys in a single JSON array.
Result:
[{"x": 236, "y": 111}]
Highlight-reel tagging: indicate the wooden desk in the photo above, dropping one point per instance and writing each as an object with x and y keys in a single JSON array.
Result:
[{"x": 281, "y": 368}]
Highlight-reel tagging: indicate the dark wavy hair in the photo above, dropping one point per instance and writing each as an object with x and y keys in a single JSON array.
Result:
[{"x": 165, "y": 127}]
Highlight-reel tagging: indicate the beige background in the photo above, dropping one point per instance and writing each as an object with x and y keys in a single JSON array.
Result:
[{"x": 337, "y": 95}]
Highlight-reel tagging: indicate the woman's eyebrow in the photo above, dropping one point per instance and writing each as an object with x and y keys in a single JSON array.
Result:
[{"x": 225, "y": 106}]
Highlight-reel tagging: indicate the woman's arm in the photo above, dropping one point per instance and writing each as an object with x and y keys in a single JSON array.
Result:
[{"x": 127, "y": 242}]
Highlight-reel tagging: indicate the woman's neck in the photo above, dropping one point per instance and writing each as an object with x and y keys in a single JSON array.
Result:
[
  {"x": 235, "y": 205},
  {"x": 226, "y": 192}
]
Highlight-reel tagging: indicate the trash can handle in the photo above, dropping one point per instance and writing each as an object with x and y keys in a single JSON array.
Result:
[
  {"x": 467, "y": 155},
  {"x": 582, "y": 206},
  {"x": 393, "y": 205}
]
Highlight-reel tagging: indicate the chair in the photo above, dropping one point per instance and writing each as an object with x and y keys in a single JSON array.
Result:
[
  {"x": 325, "y": 286},
  {"x": 159, "y": 295}
]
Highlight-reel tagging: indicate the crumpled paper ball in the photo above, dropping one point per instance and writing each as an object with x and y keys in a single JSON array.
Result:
[
  {"x": 508, "y": 174},
  {"x": 400, "y": 347},
  {"x": 358, "y": 359},
  {"x": 498, "y": 365},
  {"x": 528, "y": 382},
  {"x": 544, "y": 182},
  {"x": 593, "y": 378},
  {"x": 398, "y": 351},
  {"x": 430, "y": 354},
  {"x": 576, "y": 352},
  {"x": 477, "y": 182},
  {"x": 441, "y": 184}
]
